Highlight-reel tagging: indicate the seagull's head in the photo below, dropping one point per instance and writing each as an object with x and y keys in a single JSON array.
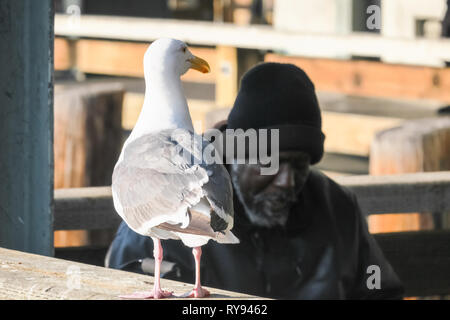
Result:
[{"x": 171, "y": 56}]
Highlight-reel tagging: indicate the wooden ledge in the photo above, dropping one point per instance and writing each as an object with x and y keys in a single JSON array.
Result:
[{"x": 30, "y": 276}]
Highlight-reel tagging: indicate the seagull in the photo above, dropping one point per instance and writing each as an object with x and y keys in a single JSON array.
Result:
[{"x": 158, "y": 190}]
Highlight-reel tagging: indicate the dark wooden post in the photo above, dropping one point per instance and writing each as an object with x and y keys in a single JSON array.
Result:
[{"x": 26, "y": 125}]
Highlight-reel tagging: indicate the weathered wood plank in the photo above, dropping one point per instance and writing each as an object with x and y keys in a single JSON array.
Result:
[
  {"x": 92, "y": 208},
  {"x": 119, "y": 58},
  {"x": 377, "y": 106},
  {"x": 339, "y": 128},
  {"x": 133, "y": 103},
  {"x": 352, "y": 133},
  {"x": 368, "y": 78},
  {"x": 342, "y": 164},
  {"x": 64, "y": 52},
  {"x": 30, "y": 276},
  {"x": 401, "y": 193},
  {"x": 411, "y": 51},
  {"x": 227, "y": 81},
  {"x": 421, "y": 259},
  {"x": 85, "y": 208},
  {"x": 365, "y": 78}
]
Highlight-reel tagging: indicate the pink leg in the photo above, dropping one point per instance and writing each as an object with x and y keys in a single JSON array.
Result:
[
  {"x": 198, "y": 291},
  {"x": 156, "y": 293}
]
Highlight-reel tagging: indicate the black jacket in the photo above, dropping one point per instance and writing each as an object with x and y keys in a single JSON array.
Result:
[{"x": 323, "y": 253}]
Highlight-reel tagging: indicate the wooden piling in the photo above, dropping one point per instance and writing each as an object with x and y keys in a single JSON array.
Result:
[
  {"x": 26, "y": 125},
  {"x": 414, "y": 146},
  {"x": 88, "y": 134}
]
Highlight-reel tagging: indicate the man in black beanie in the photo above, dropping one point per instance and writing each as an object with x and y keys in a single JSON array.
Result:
[
  {"x": 302, "y": 236},
  {"x": 277, "y": 96}
]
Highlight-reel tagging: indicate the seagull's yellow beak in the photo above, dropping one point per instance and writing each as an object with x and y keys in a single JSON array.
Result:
[{"x": 199, "y": 64}]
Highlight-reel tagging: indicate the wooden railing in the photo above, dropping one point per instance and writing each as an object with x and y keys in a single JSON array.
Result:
[
  {"x": 92, "y": 208},
  {"x": 409, "y": 68},
  {"x": 411, "y": 51},
  {"x": 421, "y": 258}
]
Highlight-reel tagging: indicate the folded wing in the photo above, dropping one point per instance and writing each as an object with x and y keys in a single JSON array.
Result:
[{"x": 161, "y": 187}]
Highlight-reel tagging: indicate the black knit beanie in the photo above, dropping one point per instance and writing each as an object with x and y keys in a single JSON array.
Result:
[{"x": 280, "y": 96}]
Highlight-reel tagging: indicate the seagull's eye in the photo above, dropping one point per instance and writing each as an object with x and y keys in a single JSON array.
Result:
[{"x": 184, "y": 49}]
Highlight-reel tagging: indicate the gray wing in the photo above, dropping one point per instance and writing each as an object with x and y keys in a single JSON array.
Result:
[
  {"x": 161, "y": 175},
  {"x": 219, "y": 193}
]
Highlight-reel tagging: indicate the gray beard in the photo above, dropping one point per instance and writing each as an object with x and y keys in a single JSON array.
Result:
[{"x": 251, "y": 214}]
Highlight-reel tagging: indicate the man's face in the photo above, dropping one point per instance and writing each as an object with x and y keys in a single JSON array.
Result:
[{"x": 267, "y": 199}]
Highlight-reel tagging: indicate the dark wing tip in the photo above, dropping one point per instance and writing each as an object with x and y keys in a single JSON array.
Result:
[{"x": 217, "y": 223}]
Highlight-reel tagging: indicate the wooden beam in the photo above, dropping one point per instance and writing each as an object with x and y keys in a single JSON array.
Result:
[
  {"x": 409, "y": 51},
  {"x": 85, "y": 209},
  {"x": 110, "y": 57},
  {"x": 352, "y": 133},
  {"x": 119, "y": 58},
  {"x": 378, "y": 107},
  {"x": 232, "y": 65},
  {"x": 343, "y": 164},
  {"x": 30, "y": 277},
  {"x": 345, "y": 133},
  {"x": 366, "y": 78},
  {"x": 64, "y": 54},
  {"x": 227, "y": 76},
  {"x": 363, "y": 78},
  {"x": 133, "y": 103},
  {"x": 401, "y": 193},
  {"x": 92, "y": 208}
]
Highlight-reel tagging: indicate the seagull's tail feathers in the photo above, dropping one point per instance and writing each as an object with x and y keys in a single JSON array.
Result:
[
  {"x": 228, "y": 237},
  {"x": 192, "y": 240}
]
